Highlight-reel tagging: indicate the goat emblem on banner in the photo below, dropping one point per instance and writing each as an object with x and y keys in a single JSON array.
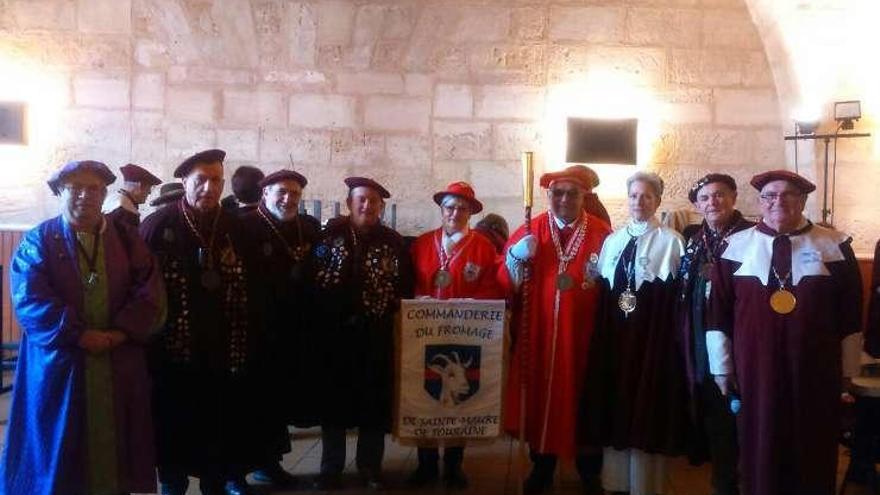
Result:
[{"x": 452, "y": 373}]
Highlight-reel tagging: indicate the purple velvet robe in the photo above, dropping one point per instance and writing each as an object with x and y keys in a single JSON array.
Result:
[
  {"x": 45, "y": 445},
  {"x": 788, "y": 367}
]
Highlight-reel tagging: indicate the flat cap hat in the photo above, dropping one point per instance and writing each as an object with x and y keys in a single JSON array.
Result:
[
  {"x": 207, "y": 156},
  {"x": 68, "y": 168}
]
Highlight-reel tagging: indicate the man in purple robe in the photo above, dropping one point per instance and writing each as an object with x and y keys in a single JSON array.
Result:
[
  {"x": 87, "y": 293},
  {"x": 784, "y": 313},
  {"x": 714, "y": 195},
  {"x": 203, "y": 361}
]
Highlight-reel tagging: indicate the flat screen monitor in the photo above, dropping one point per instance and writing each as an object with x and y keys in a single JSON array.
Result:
[{"x": 602, "y": 141}]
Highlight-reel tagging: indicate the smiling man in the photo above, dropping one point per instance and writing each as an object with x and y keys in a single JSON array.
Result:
[
  {"x": 784, "y": 316},
  {"x": 714, "y": 195},
  {"x": 563, "y": 251},
  {"x": 361, "y": 271},
  {"x": 284, "y": 238},
  {"x": 87, "y": 293}
]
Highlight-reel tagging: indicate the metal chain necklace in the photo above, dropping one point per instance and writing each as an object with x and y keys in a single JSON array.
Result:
[{"x": 564, "y": 281}]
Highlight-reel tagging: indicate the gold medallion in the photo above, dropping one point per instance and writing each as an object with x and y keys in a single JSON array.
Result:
[
  {"x": 442, "y": 279},
  {"x": 783, "y": 301},
  {"x": 564, "y": 281},
  {"x": 627, "y": 301}
]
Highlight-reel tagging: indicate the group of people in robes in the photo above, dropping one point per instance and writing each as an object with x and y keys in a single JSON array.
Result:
[{"x": 186, "y": 344}]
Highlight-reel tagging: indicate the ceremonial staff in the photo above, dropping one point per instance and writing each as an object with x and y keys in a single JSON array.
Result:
[{"x": 524, "y": 344}]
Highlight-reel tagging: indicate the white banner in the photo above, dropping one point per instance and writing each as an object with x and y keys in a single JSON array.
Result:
[{"x": 451, "y": 368}]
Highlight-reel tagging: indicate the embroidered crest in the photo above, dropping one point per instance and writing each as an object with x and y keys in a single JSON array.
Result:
[
  {"x": 471, "y": 271},
  {"x": 452, "y": 373}
]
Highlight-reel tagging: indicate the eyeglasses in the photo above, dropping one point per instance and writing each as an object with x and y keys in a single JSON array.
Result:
[
  {"x": 786, "y": 196},
  {"x": 570, "y": 193},
  {"x": 450, "y": 209}
]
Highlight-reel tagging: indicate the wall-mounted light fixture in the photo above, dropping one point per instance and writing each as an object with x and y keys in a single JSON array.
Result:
[
  {"x": 847, "y": 112},
  {"x": 805, "y": 127}
]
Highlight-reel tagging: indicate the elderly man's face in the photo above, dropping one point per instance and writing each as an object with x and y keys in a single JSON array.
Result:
[
  {"x": 82, "y": 193},
  {"x": 566, "y": 200},
  {"x": 643, "y": 201},
  {"x": 365, "y": 206},
  {"x": 716, "y": 201},
  {"x": 282, "y": 199},
  {"x": 455, "y": 213},
  {"x": 203, "y": 186},
  {"x": 782, "y": 204}
]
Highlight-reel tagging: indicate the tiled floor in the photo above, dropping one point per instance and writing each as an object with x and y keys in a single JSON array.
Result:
[{"x": 492, "y": 468}]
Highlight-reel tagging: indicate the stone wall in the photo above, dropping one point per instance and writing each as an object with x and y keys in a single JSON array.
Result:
[{"x": 415, "y": 93}]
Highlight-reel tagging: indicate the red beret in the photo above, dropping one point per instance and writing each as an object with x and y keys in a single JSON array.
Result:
[
  {"x": 97, "y": 168},
  {"x": 135, "y": 173},
  {"x": 207, "y": 156},
  {"x": 461, "y": 190},
  {"x": 761, "y": 180},
  {"x": 284, "y": 175},
  {"x": 579, "y": 174},
  {"x": 353, "y": 182}
]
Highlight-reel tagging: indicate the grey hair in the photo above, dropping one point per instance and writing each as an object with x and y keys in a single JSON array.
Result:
[{"x": 649, "y": 178}]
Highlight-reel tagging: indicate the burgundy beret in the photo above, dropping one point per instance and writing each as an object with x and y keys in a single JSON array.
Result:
[
  {"x": 353, "y": 182},
  {"x": 284, "y": 174},
  {"x": 68, "y": 168},
  {"x": 135, "y": 173},
  {"x": 761, "y": 180},
  {"x": 207, "y": 156}
]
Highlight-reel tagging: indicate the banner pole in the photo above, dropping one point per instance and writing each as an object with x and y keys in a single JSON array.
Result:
[{"x": 528, "y": 158}]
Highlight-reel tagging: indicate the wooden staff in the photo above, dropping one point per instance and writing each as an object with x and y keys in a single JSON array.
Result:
[{"x": 525, "y": 303}]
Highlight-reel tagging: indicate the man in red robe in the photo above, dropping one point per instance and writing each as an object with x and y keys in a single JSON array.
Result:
[
  {"x": 563, "y": 250},
  {"x": 452, "y": 262},
  {"x": 784, "y": 313}
]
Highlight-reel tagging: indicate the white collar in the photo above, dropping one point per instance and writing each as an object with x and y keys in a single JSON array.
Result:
[
  {"x": 120, "y": 200},
  {"x": 562, "y": 223},
  {"x": 658, "y": 252},
  {"x": 810, "y": 252}
]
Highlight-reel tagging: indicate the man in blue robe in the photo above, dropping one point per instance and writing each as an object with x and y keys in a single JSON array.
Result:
[{"x": 88, "y": 295}]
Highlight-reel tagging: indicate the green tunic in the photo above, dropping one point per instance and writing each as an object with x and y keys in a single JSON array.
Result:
[{"x": 102, "y": 462}]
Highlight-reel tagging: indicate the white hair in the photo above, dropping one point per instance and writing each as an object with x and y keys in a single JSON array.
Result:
[{"x": 649, "y": 178}]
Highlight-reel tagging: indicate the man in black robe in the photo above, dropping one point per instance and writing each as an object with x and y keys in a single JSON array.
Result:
[
  {"x": 137, "y": 182},
  {"x": 715, "y": 425},
  {"x": 246, "y": 191},
  {"x": 203, "y": 358},
  {"x": 283, "y": 239},
  {"x": 361, "y": 272}
]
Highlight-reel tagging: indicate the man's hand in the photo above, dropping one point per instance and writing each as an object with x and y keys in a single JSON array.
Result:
[
  {"x": 525, "y": 248},
  {"x": 726, "y": 383},
  {"x": 94, "y": 341}
]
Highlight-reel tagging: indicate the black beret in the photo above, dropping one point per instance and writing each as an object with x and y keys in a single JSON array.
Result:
[
  {"x": 207, "y": 156},
  {"x": 708, "y": 179},
  {"x": 353, "y": 182},
  {"x": 284, "y": 174}
]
